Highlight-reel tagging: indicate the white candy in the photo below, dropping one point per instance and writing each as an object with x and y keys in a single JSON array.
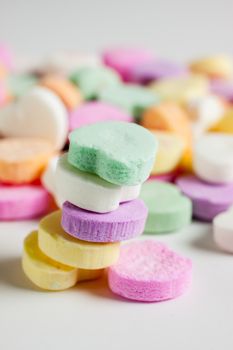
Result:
[
  {"x": 223, "y": 230},
  {"x": 39, "y": 113},
  {"x": 205, "y": 112},
  {"x": 213, "y": 158},
  {"x": 67, "y": 62},
  {"x": 48, "y": 176},
  {"x": 88, "y": 191}
]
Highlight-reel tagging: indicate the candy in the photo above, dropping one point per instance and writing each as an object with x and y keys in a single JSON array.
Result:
[
  {"x": 93, "y": 112},
  {"x": 123, "y": 155},
  {"x": 22, "y": 202},
  {"x": 168, "y": 116},
  {"x": 65, "y": 62},
  {"x": 223, "y": 88},
  {"x": 168, "y": 209},
  {"x": 39, "y": 113},
  {"x": 19, "y": 85},
  {"x": 123, "y": 60},
  {"x": 62, "y": 247},
  {"x": 170, "y": 151},
  {"x": 48, "y": 274},
  {"x": 68, "y": 93},
  {"x": 212, "y": 158},
  {"x": 149, "y": 271},
  {"x": 124, "y": 223},
  {"x": 89, "y": 191},
  {"x": 131, "y": 98},
  {"x": 48, "y": 176},
  {"x": 181, "y": 90},
  {"x": 92, "y": 80},
  {"x": 6, "y": 57},
  {"x": 218, "y": 66},
  {"x": 23, "y": 159},
  {"x": 225, "y": 124},
  {"x": 208, "y": 200},
  {"x": 223, "y": 230},
  {"x": 156, "y": 70},
  {"x": 204, "y": 113}
]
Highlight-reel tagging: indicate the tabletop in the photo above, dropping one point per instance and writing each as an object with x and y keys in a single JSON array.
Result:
[{"x": 90, "y": 316}]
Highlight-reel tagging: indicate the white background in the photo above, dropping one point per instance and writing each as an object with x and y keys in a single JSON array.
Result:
[{"x": 89, "y": 316}]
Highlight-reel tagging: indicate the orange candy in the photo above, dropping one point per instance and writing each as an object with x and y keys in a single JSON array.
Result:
[{"x": 67, "y": 92}]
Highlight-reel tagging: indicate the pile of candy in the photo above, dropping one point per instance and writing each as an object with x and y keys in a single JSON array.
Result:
[{"x": 129, "y": 116}]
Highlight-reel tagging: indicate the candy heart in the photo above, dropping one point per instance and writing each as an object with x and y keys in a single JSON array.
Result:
[
  {"x": 168, "y": 209},
  {"x": 39, "y": 113},
  {"x": 223, "y": 230},
  {"x": 212, "y": 158},
  {"x": 149, "y": 271},
  {"x": 208, "y": 199},
  {"x": 121, "y": 153},
  {"x": 218, "y": 66},
  {"x": 89, "y": 191}
]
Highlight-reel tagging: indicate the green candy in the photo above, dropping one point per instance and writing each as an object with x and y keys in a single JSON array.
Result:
[
  {"x": 168, "y": 209},
  {"x": 19, "y": 85},
  {"x": 121, "y": 153},
  {"x": 91, "y": 80},
  {"x": 132, "y": 98}
]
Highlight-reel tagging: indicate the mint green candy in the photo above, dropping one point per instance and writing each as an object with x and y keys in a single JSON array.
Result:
[
  {"x": 132, "y": 98},
  {"x": 168, "y": 209},
  {"x": 91, "y": 80},
  {"x": 19, "y": 85},
  {"x": 121, "y": 153}
]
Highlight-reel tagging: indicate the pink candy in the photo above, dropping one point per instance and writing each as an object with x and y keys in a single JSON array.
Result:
[{"x": 149, "y": 271}]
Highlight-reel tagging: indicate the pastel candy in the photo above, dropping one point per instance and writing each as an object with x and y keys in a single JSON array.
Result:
[
  {"x": 170, "y": 151},
  {"x": 204, "y": 113},
  {"x": 22, "y": 202},
  {"x": 168, "y": 116},
  {"x": 68, "y": 93},
  {"x": 65, "y": 62},
  {"x": 47, "y": 273},
  {"x": 62, "y": 247},
  {"x": 92, "y": 80},
  {"x": 181, "y": 90},
  {"x": 48, "y": 176},
  {"x": 149, "y": 271},
  {"x": 23, "y": 159},
  {"x": 168, "y": 209},
  {"x": 212, "y": 158},
  {"x": 123, "y": 60},
  {"x": 223, "y": 88},
  {"x": 225, "y": 124},
  {"x": 131, "y": 98},
  {"x": 6, "y": 57},
  {"x": 155, "y": 70},
  {"x": 217, "y": 66},
  {"x": 89, "y": 191},
  {"x": 93, "y": 112},
  {"x": 208, "y": 199},
  {"x": 126, "y": 222},
  {"x": 39, "y": 113},
  {"x": 223, "y": 230},
  {"x": 123, "y": 155},
  {"x": 21, "y": 84}
]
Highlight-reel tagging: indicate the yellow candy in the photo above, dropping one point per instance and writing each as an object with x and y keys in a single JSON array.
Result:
[
  {"x": 170, "y": 151},
  {"x": 226, "y": 123},
  {"x": 218, "y": 66},
  {"x": 181, "y": 90},
  {"x": 60, "y": 246}
]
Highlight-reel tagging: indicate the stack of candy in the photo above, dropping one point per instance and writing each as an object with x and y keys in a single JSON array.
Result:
[{"x": 118, "y": 107}]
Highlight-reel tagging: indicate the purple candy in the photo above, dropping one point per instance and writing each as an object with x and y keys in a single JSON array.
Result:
[
  {"x": 208, "y": 199},
  {"x": 223, "y": 88},
  {"x": 126, "y": 222},
  {"x": 151, "y": 71}
]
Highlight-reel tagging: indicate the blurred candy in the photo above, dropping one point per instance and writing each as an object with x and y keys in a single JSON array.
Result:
[
  {"x": 223, "y": 88},
  {"x": 125, "y": 60},
  {"x": 218, "y": 66},
  {"x": 225, "y": 124},
  {"x": 19, "y": 85},
  {"x": 223, "y": 230},
  {"x": 93, "y": 112}
]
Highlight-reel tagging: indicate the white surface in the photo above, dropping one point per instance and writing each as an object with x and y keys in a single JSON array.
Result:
[{"x": 90, "y": 317}]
